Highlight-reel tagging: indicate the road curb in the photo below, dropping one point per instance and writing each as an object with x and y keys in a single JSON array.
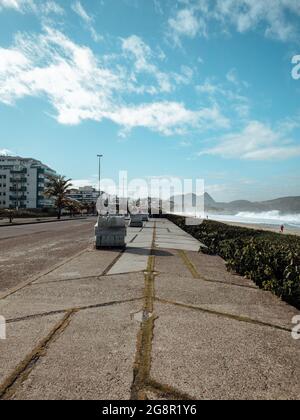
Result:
[{"x": 43, "y": 221}]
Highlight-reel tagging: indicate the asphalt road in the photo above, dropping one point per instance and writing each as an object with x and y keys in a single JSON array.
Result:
[{"x": 27, "y": 250}]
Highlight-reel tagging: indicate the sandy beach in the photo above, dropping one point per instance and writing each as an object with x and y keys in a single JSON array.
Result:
[{"x": 288, "y": 230}]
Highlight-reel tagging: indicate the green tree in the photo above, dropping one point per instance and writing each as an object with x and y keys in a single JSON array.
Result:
[
  {"x": 57, "y": 189},
  {"x": 73, "y": 206},
  {"x": 9, "y": 213}
]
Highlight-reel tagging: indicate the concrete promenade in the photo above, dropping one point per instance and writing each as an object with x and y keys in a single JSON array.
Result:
[{"x": 157, "y": 321}]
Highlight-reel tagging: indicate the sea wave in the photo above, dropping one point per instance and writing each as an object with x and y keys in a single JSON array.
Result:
[{"x": 273, "y": 217}]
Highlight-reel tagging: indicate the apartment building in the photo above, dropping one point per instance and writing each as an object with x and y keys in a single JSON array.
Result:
[
  {"x": 22, "y": 183},
  {"x": 84, "y": 194}
]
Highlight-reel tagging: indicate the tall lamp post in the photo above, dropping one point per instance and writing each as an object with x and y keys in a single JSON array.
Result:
[{"x": 99, "y": 157}]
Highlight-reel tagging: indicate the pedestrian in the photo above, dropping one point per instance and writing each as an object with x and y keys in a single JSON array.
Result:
[{"x": 282, "y": 228}]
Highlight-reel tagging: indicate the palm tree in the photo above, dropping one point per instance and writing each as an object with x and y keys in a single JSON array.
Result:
[{"x": 58, "y": 189}]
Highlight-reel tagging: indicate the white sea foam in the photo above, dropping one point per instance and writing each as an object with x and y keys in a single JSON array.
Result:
[
  {"x": 269, "y": 217},
  {"x": 265, "y": 218}
]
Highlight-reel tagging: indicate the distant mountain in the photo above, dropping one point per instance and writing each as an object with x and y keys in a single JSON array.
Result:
[{"x": 285, "y": 205}]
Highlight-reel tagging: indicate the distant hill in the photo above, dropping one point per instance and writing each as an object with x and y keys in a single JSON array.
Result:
[{"x": 285, "y": 205}]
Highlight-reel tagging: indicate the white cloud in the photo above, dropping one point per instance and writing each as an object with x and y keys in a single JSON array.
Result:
[
  {"x": 135, "y": 48},
  {"x": 12, "y": 64},
  {"x": 185, "y": 143},
  {"x": 185, "y": 23},
  {"x": 80, "y": 183},
  {"x": 5, "y": 152},
  {"x": 232, "y": 77},
  {"x": 256, "y": 141},
  {"x": 247, "y": 15},
  {"x": 24, "y": 6},
  {"x": 229, "y": 97},
  {"x": 169, "y": 118},
  {"x": 18, "y": 5},
  {"x": 87, "y": 19},
  {"x": 67, "y": 74},
  {"x": 78, "y": 8},
  {"x": 274, "y": 17},
  {"x": 79, "y": 87},
  {"x": 50, "y": 6},
  {"x": 158, "y": 7}
]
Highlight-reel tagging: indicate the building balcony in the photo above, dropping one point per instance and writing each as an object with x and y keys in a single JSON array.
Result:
[
  {"x": 18, "y": 172},
  {"x": 19, "y": 190},
  {"x": 19, "y": 198},
  {"x": 18, "y": 180}
]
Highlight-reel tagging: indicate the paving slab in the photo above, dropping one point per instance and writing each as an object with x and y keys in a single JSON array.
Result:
[
  {"x": 187, "y": 246},
  {"x": 90, "y": 264},
  {"x": 48, "y": 297},
  {"x": 175, "y": 238},
  {"x": 211, "y": 357},
  {"x": 213, "y": 267},
  {"x": 170, "y": 237},
  {"x": 22, "y": 338},
  {"x": 168, "y": 261},
  {"x": 255, "y": 304},
  {"x": 92, "y": 359},
  {"x": 134, "y": 259}
]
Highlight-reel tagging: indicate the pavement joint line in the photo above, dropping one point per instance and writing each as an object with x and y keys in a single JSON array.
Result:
[
  {"x": 133, "y": 239},
  {"x": 196, "y": 275},
  {"x": 76, "y": 309},
  {"x": 28, "y": 282},
  {"x": 66, "y": 280},
  {"x": 33, "y": 316},
  {"x": 238, "y": 318},
  {"x": 150, "y": 384},
  {"x": 188, "y": 263},
  {"x": 167, "y": 392},
  {"x": 142, "y": 363},
  {"x": 121, "y": 274},
  {"x": 110, "y": 266},
  {"x": 156, "y": 272},
  {"x": 23, "y": 370}
]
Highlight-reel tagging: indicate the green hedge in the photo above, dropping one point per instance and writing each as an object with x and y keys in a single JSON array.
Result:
[
  {"x": 24, "y": 214},
  {"x": 270, "y": 259}
]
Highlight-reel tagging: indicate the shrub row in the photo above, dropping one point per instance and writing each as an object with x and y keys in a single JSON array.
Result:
[
  {"x": 270, "y": 259},
  {"x": 27, "y": 213}
]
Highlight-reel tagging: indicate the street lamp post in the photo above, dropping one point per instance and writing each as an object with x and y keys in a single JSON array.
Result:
[{"x": 99, "y": 157}]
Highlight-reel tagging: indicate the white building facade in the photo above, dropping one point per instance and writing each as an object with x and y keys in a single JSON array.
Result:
[
  {"x": 84, "y": 194},
  {"x": 22, "y": 183}
]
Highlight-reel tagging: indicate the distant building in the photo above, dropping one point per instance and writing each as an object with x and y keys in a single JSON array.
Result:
[
  {"x": 22, "y": 183},
  {"x": 86, "y": 194}
]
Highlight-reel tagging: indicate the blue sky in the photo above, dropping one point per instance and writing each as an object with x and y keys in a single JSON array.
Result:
[{"x": 188, "y": 88}]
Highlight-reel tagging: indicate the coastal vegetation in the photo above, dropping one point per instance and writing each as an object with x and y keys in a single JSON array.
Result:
[{"x": 271, "y": 260}]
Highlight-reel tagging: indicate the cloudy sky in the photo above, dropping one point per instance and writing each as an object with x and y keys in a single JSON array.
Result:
[{"x": 188, "y": 88}]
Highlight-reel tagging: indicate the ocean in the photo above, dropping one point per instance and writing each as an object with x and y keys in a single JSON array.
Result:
[{"x": 271, "y": 218}]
